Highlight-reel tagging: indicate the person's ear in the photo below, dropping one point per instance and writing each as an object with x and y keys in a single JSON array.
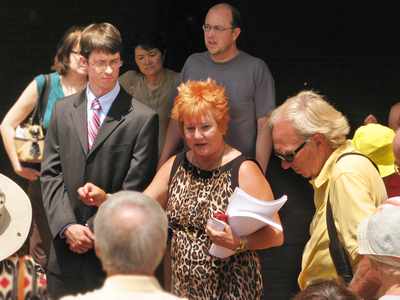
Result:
[
  {"x": 236, "y": 33},
  {"x": 319, "y": 139}
]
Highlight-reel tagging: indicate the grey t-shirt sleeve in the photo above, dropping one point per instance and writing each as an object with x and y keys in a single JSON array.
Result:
[{"x": 264, "y": 97}]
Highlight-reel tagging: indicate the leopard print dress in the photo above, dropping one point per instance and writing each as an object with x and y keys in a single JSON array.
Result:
[{"x": 194, "y": 195}]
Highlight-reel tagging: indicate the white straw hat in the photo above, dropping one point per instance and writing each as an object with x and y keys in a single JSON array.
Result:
[{"x": 15, "y": 217}]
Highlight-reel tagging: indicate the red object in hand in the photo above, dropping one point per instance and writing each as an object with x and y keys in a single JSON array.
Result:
[{"x": 219, "y": 215}]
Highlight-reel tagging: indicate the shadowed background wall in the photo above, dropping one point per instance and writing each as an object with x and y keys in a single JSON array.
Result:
[{"x": 346, "y": 53}]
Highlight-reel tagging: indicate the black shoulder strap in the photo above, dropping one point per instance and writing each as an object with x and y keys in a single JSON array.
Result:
[
  {"x": 337, "y": 251},
  {"x": 45, "y": 97},
  {"x": 237, "y": 162},
  {"x": 178, "y": 159},
  {"x": 359, "y": 154},
  {"x": 40, "y": 108}
]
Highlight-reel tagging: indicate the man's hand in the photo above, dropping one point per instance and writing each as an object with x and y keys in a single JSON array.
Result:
[
  {"x": 79, "y": 238},
  {"x": 92, "y": 195}
]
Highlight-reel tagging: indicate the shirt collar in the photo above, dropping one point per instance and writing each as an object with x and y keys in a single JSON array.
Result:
[
  {"x": 105, "y": 100},
  {"x": 326, "y": 170}
]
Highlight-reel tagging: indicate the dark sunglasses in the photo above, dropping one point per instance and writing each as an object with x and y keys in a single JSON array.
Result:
[{"x": 289, "y": 157}]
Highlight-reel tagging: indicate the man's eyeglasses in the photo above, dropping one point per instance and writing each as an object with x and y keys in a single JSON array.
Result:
[
  {"x": 289, "y": 157},
  {"x": 102, "y": 65},
  {"x": 216, "y": 28}
]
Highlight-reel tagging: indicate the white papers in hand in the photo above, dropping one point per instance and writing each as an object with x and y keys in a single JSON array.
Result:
[
  {"x": 219, "y": 251},
  {"x": 246, "y": 215}
]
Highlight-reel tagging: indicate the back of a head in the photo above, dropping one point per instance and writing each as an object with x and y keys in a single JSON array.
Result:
[
  {"x": 326, "y": 290},
  {"x": 103, "y": 37},
  {"x": 131, "y": 233},
  {"x": 310, "y": 113}
]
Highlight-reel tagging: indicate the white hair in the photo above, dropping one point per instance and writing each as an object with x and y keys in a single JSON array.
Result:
[
  {"x": 130, "y": 245},
  {"x": 309, "y": 113}
]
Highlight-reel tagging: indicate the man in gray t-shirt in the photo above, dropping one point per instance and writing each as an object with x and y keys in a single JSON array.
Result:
[{"x": 248, "y": 82}]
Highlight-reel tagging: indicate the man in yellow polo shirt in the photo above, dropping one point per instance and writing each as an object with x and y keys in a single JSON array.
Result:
[{"x": 309, "y": 135}]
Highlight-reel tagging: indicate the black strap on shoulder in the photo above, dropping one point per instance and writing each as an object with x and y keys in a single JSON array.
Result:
[
  {"x": 359, "y": 154},
  {"x": 338, "y": 253},
  {"x": 235, "y": 170},
  {"x": 178, "y": 159},
  {"x": 38, "y": 113}
]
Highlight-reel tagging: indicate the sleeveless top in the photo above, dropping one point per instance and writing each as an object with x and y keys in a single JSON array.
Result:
[
  {"x": 56, "y": 93},
  {"x": 193, "y": 196}
]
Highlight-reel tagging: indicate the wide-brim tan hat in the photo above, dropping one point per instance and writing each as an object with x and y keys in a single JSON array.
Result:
[{"x": 15, "y": 217}]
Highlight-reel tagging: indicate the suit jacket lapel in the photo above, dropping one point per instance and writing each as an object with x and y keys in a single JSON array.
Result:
[
  {"x": 121, "y": 106},
  {"x": 79, "y": 119}
]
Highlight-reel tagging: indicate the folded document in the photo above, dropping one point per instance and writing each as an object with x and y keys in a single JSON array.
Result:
[{"x": 246, "y": 215}]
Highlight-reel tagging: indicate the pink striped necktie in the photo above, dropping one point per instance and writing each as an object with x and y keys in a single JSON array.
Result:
[{"x": 94, "y": 122}]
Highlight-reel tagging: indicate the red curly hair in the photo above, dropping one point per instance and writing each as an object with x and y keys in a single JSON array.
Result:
[{"x": 198, "y": 98}]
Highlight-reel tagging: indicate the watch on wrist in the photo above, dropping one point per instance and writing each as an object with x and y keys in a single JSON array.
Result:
[{"x": 242, "y": 245}]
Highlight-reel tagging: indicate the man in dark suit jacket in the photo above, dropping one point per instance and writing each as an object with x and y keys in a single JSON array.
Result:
[{"x": 121, "y": 154}]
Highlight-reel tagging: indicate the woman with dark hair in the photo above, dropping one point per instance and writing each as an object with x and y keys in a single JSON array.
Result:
[
  {"x": 151, "y": 83},
  {"x": 69, "y": 77}
]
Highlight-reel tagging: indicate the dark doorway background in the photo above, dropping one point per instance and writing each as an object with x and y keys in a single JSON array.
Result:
[{"x": 349, "y": 54}]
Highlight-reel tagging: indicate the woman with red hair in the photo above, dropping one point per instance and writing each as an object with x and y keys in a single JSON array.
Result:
[
  {"x": 195, "y": 184},
  {"x": 192, "y": 186}
]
